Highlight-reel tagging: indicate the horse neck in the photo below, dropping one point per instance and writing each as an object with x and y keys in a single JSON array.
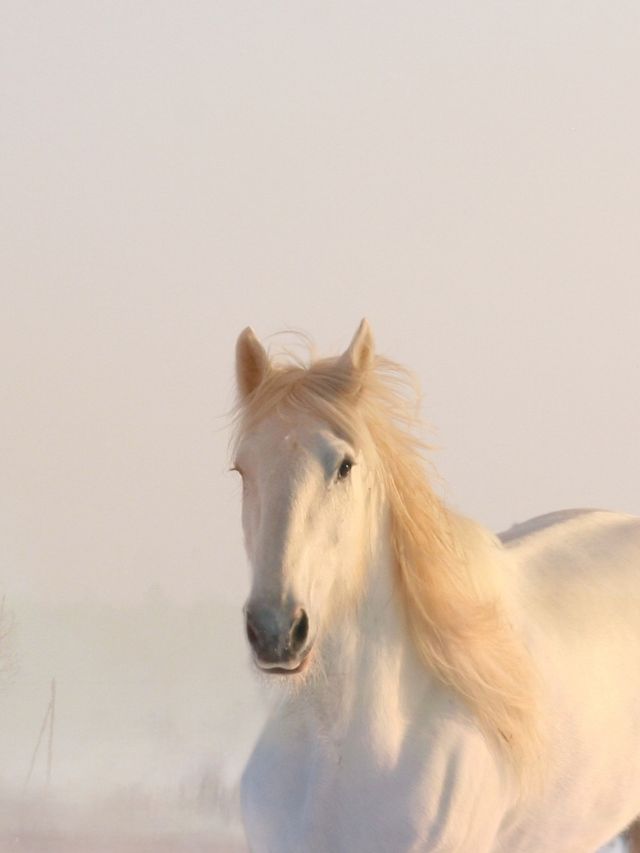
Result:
[
  {"x": 369, "y": 666},
  {"x": 370, "y": 669}
]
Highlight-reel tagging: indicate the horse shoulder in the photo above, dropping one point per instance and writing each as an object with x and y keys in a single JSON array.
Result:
[{"x": 466, "y": 790}]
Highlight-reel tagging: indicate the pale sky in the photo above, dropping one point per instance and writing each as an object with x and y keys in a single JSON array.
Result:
[{"x": 466, "y": 175}]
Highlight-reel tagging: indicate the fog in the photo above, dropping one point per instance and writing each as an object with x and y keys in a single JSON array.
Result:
[
  {"x": 466, "y": 178},
  {"x": 464, "y": 175},
  {"x": 154, "y": 716}
]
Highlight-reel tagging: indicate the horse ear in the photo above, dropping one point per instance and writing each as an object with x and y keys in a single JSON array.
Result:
[
  {"x": 252, "y": 362},
  {"x": 359, "y": 355}
]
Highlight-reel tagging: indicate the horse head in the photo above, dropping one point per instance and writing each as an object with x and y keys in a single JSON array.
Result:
[{"x": 307, "y": 479}]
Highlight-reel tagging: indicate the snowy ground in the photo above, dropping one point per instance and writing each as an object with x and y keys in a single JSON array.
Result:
[{"x": 45, "y": 825}]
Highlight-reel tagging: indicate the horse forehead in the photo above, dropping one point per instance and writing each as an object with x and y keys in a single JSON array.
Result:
[{"x": 278, "y": 439}]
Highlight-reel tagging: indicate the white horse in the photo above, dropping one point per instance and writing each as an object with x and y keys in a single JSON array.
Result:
[{"x": 444, "y": 689}]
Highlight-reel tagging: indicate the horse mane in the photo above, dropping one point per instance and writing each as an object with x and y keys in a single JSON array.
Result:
[{"x": 447, "y": 569}]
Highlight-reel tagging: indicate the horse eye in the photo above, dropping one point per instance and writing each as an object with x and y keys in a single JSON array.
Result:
[{"x": 345, "y": 468}]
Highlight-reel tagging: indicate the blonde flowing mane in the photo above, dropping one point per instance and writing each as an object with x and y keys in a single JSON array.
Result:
[{"x": 447, "y": 571}]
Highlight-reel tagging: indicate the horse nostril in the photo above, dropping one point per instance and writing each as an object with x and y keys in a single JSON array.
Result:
[
  {"x": 251, "y": 634},
  {"x": 299, "y": 631}
]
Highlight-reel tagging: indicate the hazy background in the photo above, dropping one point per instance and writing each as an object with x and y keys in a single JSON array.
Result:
[{"x": 465, "y": 175}]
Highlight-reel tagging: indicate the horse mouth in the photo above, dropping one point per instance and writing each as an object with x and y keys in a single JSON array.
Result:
[{"x": 283, "y": 670}]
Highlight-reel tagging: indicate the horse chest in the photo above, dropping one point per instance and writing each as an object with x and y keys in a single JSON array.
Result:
[
  {"x": 314, "y": 793},
  {"x": 318, "y": 797}
]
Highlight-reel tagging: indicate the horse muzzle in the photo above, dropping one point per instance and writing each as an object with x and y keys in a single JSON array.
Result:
[{"x": 279, "y": 639}]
